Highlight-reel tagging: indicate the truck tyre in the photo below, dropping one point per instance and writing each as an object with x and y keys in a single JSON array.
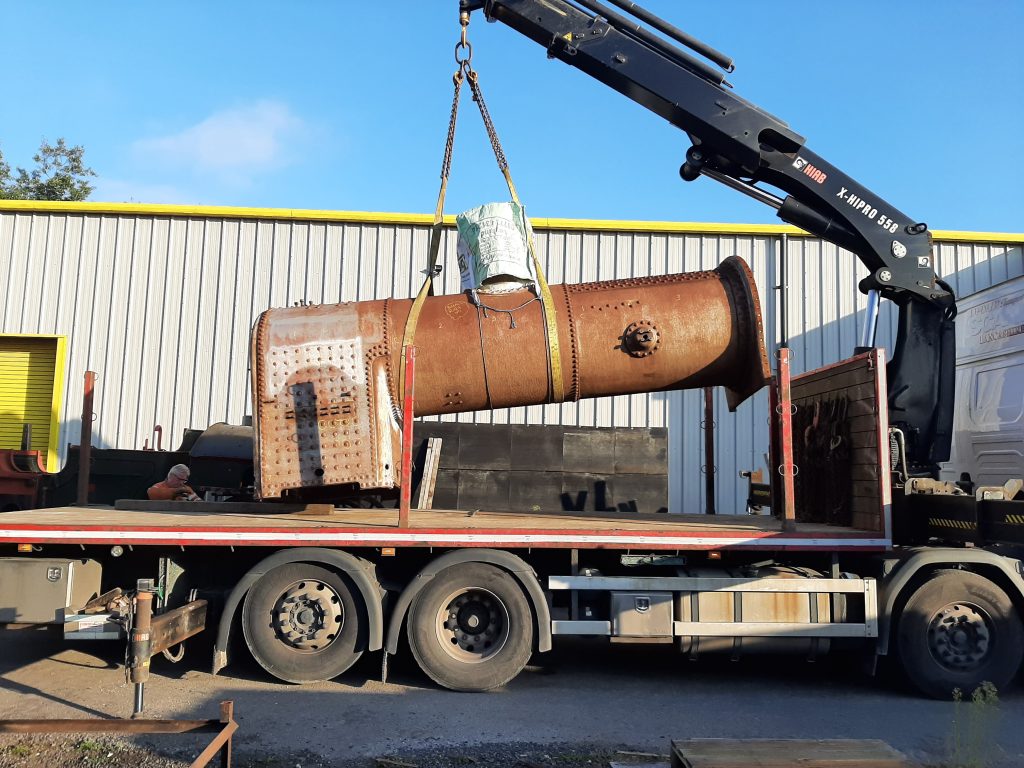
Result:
[
  {"x": 956, "y": 631},
  {"x": 304, "y": 623},
  {"x": 471, "y": 628}
]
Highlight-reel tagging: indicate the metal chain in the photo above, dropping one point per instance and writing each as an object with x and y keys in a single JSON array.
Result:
[
  {"x": 436, "y": 230},
  {"x": 446, "y": 164},
  {"x": 492, "y": 134}
]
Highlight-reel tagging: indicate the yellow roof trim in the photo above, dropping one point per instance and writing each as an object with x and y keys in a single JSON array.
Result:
[{"x": 370, "y": 217}]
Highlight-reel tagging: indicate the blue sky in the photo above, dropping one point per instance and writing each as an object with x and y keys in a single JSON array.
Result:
[{"x": 344, "y": 106}]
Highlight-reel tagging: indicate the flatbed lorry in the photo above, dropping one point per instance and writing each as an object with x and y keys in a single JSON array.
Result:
[
  {"x": 857, "y": 553},
  {"x": 309, "y": 588}
]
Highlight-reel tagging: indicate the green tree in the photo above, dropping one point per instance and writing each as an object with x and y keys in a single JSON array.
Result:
[{"x": 60, "y": 173}]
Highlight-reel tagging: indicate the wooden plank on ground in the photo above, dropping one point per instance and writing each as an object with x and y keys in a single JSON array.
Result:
[{"x": 785, "y": 753}]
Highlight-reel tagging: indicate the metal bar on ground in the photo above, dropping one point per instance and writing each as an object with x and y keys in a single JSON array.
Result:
[
  {"x": 405, "y": 500},
  {"x": 110, "y": 726},
  {"x": 222, "y": 741},
  {"x": 225, "y": 729}
]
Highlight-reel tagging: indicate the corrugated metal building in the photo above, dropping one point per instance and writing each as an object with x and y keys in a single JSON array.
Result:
[{"x": 159, "y": 301}]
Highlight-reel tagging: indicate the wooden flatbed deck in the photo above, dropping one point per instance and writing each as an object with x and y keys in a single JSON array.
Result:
[{"x": 184, "y": 523}]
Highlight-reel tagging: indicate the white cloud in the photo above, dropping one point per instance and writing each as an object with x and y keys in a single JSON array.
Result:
[{"x": 233, "y": 144}]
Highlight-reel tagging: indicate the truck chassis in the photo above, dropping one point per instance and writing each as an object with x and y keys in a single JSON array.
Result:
[{"x": 310, "y": 589}]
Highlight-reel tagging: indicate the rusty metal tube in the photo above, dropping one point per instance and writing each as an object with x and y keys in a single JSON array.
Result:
[
  {"x": 325, "y": 378},
  {"x": 85, "y": 443},
  {"x": 615, "y": 338},
  {"x": 139, "y": 649}
]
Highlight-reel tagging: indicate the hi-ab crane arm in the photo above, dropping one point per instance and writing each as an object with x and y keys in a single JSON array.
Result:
[{"x": 744, "y": 147}]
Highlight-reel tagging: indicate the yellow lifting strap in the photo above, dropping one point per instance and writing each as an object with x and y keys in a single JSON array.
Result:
[{"x": 465, "y": 71}]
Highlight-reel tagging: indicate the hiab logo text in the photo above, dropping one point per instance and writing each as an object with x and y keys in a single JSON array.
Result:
[{"x": 815, "y": 174}]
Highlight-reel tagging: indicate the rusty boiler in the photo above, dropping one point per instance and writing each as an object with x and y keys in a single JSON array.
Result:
[{"x": 326, "y": 378}]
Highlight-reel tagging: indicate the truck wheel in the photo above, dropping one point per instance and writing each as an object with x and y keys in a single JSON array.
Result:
[
  {"x": 471, "y": 628},
  {"x": 959, "y": 630},
  {"x": 304, "y": 623}
]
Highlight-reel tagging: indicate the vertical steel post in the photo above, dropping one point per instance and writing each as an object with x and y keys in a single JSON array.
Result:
[
  {"x": 785, "y": 414},
  {"x": 85, "y": 447},
  {"x": 405, "y": 499},
  {"x": 781, "y": 398},
  {"x": 139, "y": 651},
  {"x": 227, "y": 716},
  {"x": 784, "y": 292},
  {"x": 709, "y": 451}
]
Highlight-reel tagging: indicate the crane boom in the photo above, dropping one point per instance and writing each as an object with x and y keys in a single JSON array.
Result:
[{"x": 739, "y": 144}]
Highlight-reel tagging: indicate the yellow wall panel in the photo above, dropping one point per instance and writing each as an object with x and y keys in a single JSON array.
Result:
[{"x": 31, "y": 387}]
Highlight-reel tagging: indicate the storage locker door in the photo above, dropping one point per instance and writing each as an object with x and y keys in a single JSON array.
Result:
[{"x": 30, "y": 392}]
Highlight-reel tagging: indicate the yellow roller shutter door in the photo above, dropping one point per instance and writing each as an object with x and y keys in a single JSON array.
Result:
[{"x": 31, "y": 383}]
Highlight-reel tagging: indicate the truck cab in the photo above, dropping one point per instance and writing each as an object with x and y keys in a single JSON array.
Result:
[{"x": 988, "y": 427}]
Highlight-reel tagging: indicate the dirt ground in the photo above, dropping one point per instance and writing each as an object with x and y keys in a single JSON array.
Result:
[{"x": 584, "y": 704}]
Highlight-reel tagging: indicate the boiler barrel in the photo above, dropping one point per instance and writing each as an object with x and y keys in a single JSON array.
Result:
[
  {"x": 617, "y": 337},
  {"x": 326, "y": 378}
]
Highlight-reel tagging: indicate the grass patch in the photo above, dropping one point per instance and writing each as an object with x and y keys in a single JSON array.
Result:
[
  {"x": 972, "y": 738},
  {"x": 89, "y": 746}
]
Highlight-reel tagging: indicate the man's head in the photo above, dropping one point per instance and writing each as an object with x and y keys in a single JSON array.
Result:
[{"x": 178, "y": 476}]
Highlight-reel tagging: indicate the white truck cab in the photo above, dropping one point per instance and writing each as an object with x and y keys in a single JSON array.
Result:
[{"x": 988, "y": 429}]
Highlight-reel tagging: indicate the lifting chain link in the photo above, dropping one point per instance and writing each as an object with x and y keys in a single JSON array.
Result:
[
  {"x": 463, "y": 48},
  {"x": 492, "y": 134},
  {"x": 446, "y": 164},
  {"x": 464, "y": 58},
  {"x": 465, "y": 72}
]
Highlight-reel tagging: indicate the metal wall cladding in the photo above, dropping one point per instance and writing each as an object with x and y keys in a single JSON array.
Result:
[{"x": 161, "y": 306}]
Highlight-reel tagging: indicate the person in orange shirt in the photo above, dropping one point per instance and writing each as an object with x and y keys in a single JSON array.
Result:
[{"x": 174, "y": 487}]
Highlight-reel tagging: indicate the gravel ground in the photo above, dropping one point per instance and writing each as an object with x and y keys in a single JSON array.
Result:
[
  {"x": 106, "y": 752},
  {"x": 583, "y": 702}
]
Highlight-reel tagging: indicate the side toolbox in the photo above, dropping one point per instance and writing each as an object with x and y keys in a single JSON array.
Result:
[{"x": 45, "y": 590}]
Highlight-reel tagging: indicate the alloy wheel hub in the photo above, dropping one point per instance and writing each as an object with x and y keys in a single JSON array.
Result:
[
  {"x": 308, "y": 615},
  {"x": 959, "y": 636},
  {"x": 472, "y": 625}
]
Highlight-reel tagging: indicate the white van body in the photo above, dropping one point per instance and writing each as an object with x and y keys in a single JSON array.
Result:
[{"x": 988, "y": 428}]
